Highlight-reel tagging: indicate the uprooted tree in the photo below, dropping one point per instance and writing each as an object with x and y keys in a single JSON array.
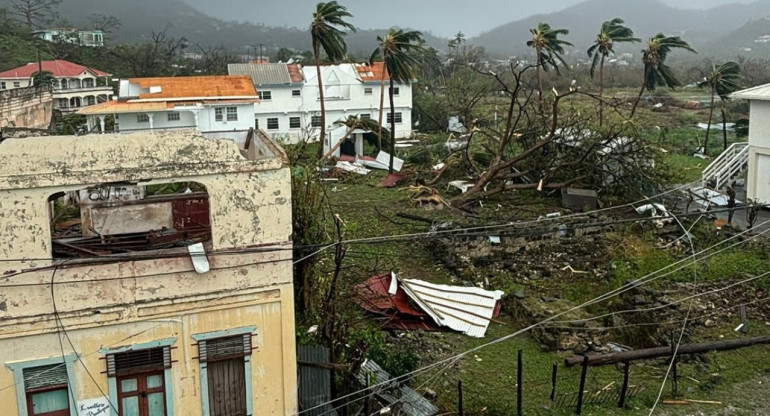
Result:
[{"x": 554, "y": 146}]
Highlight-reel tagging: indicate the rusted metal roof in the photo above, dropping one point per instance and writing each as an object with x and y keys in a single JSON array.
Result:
[
  {"x": 375, "y": 296},
  {"x": 464, "y": 309},
  {"x": 211, "y": 86}
]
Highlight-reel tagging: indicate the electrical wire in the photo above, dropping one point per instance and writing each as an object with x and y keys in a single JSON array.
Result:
[
  {"x": 628, "y": 286},
  {"x": 60, "y": 324}
]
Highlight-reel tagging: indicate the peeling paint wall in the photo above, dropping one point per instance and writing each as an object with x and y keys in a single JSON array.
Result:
[
  {"x": 139, "y": 300},
  {"x": 26, "y": 107}
]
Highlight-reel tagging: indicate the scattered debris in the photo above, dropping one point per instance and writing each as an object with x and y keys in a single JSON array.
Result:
[
  {"x": 463, "y": 186},
  {"x": 579, "y": 199},
  {"x": 350, "y": 167},
  {"x": 198, "y": 257},
  {"x": 411, "y": 402}
]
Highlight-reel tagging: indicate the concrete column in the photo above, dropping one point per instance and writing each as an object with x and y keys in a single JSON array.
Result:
[
  {"x": 196, "y": 114},
  {"x": 101, "y": 123},
  {"x": 150, "y": 116}
]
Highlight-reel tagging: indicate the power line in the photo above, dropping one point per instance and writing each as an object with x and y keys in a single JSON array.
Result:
[{"x": 612, "y": 293}]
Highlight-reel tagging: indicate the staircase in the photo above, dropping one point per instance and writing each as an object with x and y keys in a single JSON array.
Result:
[{"x": 731, "y": 163}]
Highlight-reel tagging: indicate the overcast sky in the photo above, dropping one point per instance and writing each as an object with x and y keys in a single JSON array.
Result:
[{"x": 441, "y": 17}]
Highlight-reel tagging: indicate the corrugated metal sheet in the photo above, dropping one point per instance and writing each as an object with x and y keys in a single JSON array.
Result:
[
  {"x": 410, "y": 402},
  {"x": 464, "y": 309},
  {"x": 262, "y": 74},
  {"x": 314, "y": 382}
]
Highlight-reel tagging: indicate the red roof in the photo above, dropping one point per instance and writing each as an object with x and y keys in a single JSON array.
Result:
[
  {"x": 59, "y": 68},
  {"x": 373, "y": 72}
]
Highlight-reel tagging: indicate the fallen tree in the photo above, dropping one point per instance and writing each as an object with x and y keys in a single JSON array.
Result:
[{"x": 659, "y": 352}]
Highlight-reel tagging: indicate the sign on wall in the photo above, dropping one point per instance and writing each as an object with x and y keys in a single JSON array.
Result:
[{"x": 94, "y": 407}]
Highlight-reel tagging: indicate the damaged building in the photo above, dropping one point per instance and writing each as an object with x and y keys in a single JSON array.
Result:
[{"x": 146, "y": 274}]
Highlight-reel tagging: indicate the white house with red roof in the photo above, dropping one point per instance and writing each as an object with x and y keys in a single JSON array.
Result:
[
  {"x": 75, "y": 86},
  {"x": 290, "y": 110}
]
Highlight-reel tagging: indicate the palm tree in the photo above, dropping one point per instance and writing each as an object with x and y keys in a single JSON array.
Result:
[
  {"x": 548, "y": 50},
  {"x": 656, "y": 72},
  {"x": 326, "y": 32},
  {"x": 723, "y": 80},
  {"x": 612, "y": 32},
  {"x": 399, "y": 50}
]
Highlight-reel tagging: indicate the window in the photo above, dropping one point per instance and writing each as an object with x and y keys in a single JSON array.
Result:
[
  {"x": 173, "y": 116},
  {"x": 225, "y": 371},
  {"x": 315, "y": 121},
  {"x": 140, "y": 377},
  {"x": 396, "y": 91},
  {"x": 232, "y": 113},
  {"x": 2, "y": 85},
  {"x": 294, "y": 123},
  {"x": 16, "y": 84},
  {"x": 46, "y": 390},
  {"x": 296, "y": 93},
  {"x": 43, "y": 386},
  {"x": 265, "y": 95},
  {"x": 256, "y": 123},
  {"x": 219, "y": 114},
  {"x": 365, "y": 116},
  {"x": 272, "y": 124},
  {"x": 142, "y": 118},
  {"x": 399, "y": 118},
  {"x": 368, "y": 91}
]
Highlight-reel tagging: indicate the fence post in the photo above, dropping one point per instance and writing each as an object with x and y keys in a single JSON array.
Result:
[
  {"x": 624, "y": 389},
  {"x": 460, "y": 411},
  {"x": 583, "y": 373},
  {"x": 366, "y": 401},
  {"x": 519, "y": 382},
  {"x": 674, "y": 381},
  {"x": 745, "y": 324},
  {"x": 553, "y": 381}
]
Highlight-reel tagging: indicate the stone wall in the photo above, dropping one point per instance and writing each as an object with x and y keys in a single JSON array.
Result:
[{"x": 26, "y": 107}]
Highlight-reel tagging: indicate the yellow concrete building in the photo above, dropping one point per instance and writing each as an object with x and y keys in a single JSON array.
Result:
[{"x": 185, "y": 307}]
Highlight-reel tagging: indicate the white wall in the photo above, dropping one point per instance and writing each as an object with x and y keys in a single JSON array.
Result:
[
  {"x": 759, "y": 124},
  {"x": 9, "y": 83},
  {"x": 283, "y": 105},
  {"x": 206, "y": 120}
]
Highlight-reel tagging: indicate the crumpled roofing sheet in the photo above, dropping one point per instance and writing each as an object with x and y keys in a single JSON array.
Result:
[{"x": 463, "y": 309}]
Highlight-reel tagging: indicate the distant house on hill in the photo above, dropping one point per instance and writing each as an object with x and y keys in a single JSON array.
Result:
[
  {"x": 74, "y": 86},
  {"x": 222, "y": 104},
  {"x": 91, "y": 38}
]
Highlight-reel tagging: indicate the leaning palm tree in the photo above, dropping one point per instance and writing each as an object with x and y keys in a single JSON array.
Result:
[
  {"x": 723, "y": 80},
  {"x": 351, "y": 124},
  {"x": 327, "y": 32},
  {"x": 548, "y": 50},
  {"x": 656, "y": 72},
  {"x": 398, "y": 50},
  {"x": 612, "y": 32}
]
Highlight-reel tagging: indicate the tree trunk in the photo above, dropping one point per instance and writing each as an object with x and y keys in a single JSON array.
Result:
[
  {"x": 708, "y": 129},
  {"x": 724, "y": 123},
  {"x": 382, "y": 105},
  {"x": 601, "y": 92},
  {"x": 641, "y": 91},
  {"x": 322, "y": 135},
  {"x": 539, "y": 75},
  {"x": 392, "y": 126}
]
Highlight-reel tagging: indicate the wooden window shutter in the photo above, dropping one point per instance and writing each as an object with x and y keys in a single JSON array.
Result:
[
  {"x": 224, "y": 348},
  {"x": 45, "y": 376},
  {"x": 138, "y": 361}
]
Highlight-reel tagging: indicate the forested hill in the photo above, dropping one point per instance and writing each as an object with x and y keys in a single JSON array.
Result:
[
  {"x": 704, "y": 29},
  {"x": 140, "y": 18}
]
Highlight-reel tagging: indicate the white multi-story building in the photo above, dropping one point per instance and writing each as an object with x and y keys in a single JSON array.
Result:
[
  {"x": 74, "y": 86},
  {"x": 213, "y": 105},
  {"x": 290, "y": 110}
]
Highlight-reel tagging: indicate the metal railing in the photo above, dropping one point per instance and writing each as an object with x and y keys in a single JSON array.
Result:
[{"x": 725, "y": 167}]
